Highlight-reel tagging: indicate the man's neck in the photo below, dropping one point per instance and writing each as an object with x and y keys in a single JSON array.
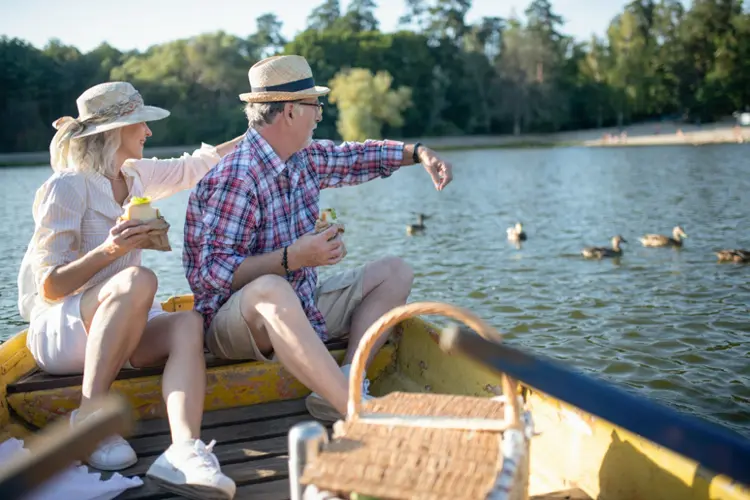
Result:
[{"x": 274, "y": 138}]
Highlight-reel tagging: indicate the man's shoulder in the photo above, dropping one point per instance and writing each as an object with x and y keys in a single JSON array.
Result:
[{"x": 241, "y": 165}]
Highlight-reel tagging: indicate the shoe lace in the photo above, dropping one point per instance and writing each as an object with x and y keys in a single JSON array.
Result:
[{"x": 204, "y": 458}]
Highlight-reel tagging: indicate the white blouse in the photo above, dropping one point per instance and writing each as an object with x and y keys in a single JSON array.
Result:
[{"x": 74, "y": 212}]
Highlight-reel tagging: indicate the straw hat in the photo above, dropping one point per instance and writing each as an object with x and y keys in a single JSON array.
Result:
[
  {"x": 108, "y": 106},
  {"x": 282, "y": 78}
]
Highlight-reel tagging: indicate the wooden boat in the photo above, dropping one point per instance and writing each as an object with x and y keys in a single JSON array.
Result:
[{"x": 251, "y": 406}]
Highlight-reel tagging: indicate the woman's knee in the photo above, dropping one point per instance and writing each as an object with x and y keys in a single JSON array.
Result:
[
  {"x": 187, "y": 332},
  {"x": 140, "y": 283}
]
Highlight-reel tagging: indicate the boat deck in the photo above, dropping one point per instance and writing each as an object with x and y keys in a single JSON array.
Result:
[{"x": 251, "y": 445}]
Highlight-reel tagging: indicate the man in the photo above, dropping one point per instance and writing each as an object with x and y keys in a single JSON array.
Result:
[{"x": 250, "y": 250}]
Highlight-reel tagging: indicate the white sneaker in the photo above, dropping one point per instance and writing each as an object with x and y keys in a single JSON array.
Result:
[
  {"x": 320, "y": 409},
  {"x": 113, "y": 453},
  {"x": 193, "y": 471}
]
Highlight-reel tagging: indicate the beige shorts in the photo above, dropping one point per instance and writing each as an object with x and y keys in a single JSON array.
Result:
[{"x": 337, "y": 297}]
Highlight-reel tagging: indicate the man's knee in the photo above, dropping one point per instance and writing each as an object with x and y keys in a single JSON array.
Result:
[
  {"x": 268, "y": 289},
  {"x": 398, "y": 272}
]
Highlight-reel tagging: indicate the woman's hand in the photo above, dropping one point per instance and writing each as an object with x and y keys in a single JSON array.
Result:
[{"x": 126, "y": 236}]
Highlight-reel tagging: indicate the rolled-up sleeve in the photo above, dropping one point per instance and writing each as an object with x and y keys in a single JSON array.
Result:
[
  {"x": 229, "y": 223},
  {"x": 163, "y": 178},
  {"x": 353, "y": 163},
  {"x": 58, "y": 210}
]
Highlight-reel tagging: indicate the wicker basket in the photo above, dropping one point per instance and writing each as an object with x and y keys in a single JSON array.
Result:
[{"x": 423, "y": 446}]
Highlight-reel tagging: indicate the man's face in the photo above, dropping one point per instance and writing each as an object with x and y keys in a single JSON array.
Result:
[{"x": 307, "y": 114}]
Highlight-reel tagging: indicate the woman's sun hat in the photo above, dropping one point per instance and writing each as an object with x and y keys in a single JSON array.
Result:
[{"x": 109, "y": 106}]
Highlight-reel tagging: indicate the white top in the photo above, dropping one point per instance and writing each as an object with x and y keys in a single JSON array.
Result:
[{"x": 74, "y": 212}]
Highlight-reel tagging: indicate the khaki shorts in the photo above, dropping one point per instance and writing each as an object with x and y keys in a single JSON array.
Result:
[{"x": 337, "y": 297}]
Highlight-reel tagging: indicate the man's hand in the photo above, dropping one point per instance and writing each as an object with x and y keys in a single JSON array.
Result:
[
  {"x": 313, "y": 250},
  {"x": 440, "y": 170}
]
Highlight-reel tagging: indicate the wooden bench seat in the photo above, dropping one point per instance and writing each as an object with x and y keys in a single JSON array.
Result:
[{"x": 37, "y": 380}]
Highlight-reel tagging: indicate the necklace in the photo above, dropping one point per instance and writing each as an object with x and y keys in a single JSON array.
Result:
[{"x": 118, "y": 177}]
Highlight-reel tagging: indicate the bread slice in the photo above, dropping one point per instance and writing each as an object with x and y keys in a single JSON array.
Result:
[{"x": 140, "y": 209}]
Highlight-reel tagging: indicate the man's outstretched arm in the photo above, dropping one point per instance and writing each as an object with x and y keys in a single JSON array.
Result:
[{"x": 353, "y": 163}]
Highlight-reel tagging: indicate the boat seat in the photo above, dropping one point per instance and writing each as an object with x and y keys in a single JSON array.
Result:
[{"x": 37, "y": 380}]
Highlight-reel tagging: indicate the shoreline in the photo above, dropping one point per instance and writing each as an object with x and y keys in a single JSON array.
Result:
[{"x": 657, "y": 134}]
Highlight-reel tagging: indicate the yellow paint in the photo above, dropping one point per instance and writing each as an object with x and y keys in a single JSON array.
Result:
[
  {"x": 15, "y": 362},
  {"x": 242, "y": 384},
  {"x": 574, "y": 449}
]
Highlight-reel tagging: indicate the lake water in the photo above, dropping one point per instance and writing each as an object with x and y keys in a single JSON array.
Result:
[{"x": 671, "y": 324}]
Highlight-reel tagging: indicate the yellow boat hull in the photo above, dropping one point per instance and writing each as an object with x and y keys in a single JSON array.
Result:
[{"x": 573, "y": 449}]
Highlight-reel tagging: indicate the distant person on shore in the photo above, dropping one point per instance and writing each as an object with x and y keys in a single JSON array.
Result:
[
  {"x": 89, "y": 301},
  {"x": 250, "y": 253}
]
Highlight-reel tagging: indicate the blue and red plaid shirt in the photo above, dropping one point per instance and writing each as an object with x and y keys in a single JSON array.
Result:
[{"x": 252, "y": 203}]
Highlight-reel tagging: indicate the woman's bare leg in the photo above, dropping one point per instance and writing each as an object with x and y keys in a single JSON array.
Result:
[
  {"x": 114, "y": 313},
  {"x": 178, "y": 338}
]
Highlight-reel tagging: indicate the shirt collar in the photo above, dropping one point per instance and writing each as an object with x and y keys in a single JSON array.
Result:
[{"x": 267, "y": 155}]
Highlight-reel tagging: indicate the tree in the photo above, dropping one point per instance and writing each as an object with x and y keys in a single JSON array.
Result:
[
  {"x": 324, "y": 16},
  {"x": 267, "y": 37},
  {"x": 366, "y": 102},
  {"x": 360, "y": 16}
]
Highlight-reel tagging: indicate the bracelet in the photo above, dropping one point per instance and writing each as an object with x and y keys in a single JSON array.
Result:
[
  {"x": 285, "y": 262},
  {"x": 415, "y": 153}
]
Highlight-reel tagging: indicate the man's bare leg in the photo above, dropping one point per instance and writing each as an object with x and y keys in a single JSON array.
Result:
[
  {"x": 387, "y": 284},
  {"x": 274, "y": 314}
]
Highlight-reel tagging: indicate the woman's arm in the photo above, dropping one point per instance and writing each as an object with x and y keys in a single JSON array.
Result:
[
  {"x": 227, "y": 147},
  {"x": 163, "y": 178},
  {"x": 59, "y": 269}
]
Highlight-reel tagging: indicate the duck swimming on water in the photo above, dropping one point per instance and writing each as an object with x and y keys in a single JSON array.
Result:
[
  {"x": 601, "y": 252},
  {"x": 659, "y": 240},
  {"x": 418, "y": 227},
  {"x": 516, "y": 233},
  {"x": 735, "y": 255}
]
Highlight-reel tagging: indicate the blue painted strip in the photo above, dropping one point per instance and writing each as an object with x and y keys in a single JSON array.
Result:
[{"x": 719, "y": 449}]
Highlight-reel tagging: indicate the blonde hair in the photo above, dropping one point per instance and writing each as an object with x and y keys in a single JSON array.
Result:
[{"x": 85, "y": 154}]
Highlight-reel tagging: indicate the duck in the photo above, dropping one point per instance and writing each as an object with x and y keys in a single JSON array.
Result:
[
  {"x": 516, "y": 233},
  {"x": 735, "y": 255},
  {"x": 659, "y": 240},
  {"x": 418, "y": 227},
  {"x": 601, "y": 252}
]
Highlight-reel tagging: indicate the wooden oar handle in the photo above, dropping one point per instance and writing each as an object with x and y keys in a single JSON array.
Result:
[{"x": 398, "y": 314}]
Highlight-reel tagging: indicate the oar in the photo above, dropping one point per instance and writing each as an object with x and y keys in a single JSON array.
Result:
[
  {"x": 58, "y": 445},
  {"x": 718, "y": 449}
]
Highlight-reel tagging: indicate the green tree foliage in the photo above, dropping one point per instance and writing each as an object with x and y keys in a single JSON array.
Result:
[
  {"x": 366, "y": 102},
  {"x": 658, "y": 59}
]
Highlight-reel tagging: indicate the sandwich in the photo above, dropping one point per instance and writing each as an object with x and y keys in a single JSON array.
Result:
[
  {"x": 139, "y": 208},
  {"x": 326, "y": 219}
]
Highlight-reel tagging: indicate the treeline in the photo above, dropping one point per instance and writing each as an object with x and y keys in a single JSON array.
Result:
[{"x": 658, "y": 60}]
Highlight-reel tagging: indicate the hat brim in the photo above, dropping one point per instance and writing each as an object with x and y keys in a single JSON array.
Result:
[
  {"x": 316, "y": 91},
  {"x": 144, "y": 114}
]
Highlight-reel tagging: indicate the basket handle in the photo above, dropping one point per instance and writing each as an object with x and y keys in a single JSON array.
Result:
[{"x": 398, "y": 314}]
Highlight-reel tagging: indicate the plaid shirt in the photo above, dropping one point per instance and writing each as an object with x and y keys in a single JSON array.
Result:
[{"x": 252, "y": 203}]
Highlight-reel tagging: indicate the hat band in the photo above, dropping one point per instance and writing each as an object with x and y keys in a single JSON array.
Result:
[{"x": 295, "y": 86}]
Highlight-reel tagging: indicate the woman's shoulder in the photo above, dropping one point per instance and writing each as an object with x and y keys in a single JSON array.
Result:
[{"x": 69, "y": 181}]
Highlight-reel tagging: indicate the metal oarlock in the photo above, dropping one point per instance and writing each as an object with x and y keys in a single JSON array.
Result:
[{"x": 305, "y": 442}]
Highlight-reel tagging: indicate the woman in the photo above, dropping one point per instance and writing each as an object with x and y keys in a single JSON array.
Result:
[{"x": 89, "y": 301}]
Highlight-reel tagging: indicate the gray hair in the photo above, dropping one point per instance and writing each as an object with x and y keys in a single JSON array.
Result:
[
  {"x": 93, "y": 153},
  {"x": 260, "y": 114}
]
